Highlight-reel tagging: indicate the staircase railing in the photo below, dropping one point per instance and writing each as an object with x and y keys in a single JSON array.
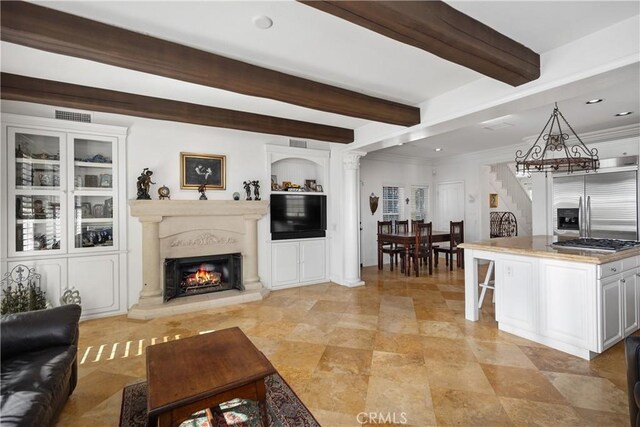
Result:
[
  {"x": 503, "y": 224},
  {"x": 512, "y": 186}
]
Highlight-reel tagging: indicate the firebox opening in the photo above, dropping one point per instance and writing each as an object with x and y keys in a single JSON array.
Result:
[{"x": 200, "y": 275}]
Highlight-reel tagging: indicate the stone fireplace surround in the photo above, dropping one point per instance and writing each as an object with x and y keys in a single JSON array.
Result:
[{"x": 189, "y": 228}]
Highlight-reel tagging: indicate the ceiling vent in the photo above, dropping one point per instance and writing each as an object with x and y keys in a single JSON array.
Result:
[
  {"x": 298, "y": 143},
  {"x": 73, "y": 116},
  {"x": 497, "y": 126}
]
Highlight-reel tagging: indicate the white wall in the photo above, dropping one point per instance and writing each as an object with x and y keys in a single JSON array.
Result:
[
  {"x": 157, "y": 144},
  {"x": 374, "y": 174},
  {"x": 472, "y": 169}
]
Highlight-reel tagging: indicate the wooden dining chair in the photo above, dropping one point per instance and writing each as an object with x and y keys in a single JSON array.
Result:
[
  {"x": 386, "y": 227},
  {"x": 424, "y": 243},
  {"x": 399, "y": 250},
  {"x": 414, "y": 223},
  {"x": 456, "y": 231}
]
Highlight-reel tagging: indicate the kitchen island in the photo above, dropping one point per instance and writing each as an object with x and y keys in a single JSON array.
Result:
[{"x": 577, "y": 301}]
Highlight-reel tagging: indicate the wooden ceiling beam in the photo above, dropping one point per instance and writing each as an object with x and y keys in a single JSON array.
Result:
[
  {"x": 28, "y": 89},
  {"x": 53, "y": 31},
  {"x": 438, "y": 28}
]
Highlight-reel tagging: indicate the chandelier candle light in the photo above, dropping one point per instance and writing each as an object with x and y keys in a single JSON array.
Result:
[{"x": 573, "y": 158}]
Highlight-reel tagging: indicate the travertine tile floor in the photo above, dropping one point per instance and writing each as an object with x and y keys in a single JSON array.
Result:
[{"x": 398, "y": 348}]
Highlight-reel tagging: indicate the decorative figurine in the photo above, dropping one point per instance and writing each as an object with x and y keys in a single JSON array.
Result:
[
  {"x": 236, "y": 196},
  {"x": 247, "y": 189},
  {"x": 71, "y": 296},
  {"x": 202, "y": 188},
  {"x": 256, "y": 190},
  {"x": 164, "y": 193},
  {"x": 144, "y": 183}
]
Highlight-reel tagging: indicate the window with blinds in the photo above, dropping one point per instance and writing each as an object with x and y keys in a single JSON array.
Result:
[
  {"x": 391, "y": 207},
  {"x": 419, "y": 202}
]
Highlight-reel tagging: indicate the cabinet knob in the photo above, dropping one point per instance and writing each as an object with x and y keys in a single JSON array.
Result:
[
  {"x": 614, "y": 269},
  {"x": 623, "y": 280}
]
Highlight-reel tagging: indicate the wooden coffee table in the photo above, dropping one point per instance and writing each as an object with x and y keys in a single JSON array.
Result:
[{"x": 199, "y": 372}]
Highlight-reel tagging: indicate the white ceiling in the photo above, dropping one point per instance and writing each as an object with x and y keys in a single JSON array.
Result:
[
  {"x": 309, "y": 43},
  {"x": 622, "y": 95}
]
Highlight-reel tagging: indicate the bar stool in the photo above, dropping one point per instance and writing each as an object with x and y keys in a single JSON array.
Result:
[{"x": 487, "y": 284}]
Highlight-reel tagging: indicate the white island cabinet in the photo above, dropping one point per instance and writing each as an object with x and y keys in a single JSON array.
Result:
[{"x": 579, "y": 302}]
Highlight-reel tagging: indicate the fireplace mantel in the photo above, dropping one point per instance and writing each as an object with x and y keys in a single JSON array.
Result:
[
  {"x": 177, "y": 228},
  {"x": 165, "y": 208}
]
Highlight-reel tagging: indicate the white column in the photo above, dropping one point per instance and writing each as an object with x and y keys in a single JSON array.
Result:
[
  {"x": 351, "y": 163},
  {"x": 250, "y": 277},
  {"x": 151, "y": 292}
]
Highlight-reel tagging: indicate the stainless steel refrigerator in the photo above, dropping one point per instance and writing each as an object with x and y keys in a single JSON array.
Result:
[{"x": 602, "y": 204}]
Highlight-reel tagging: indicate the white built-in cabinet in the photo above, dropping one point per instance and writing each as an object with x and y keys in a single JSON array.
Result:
[
  {"x": 619, "y": 285},
  {"x": 579, "y": 308},
  {"x": 63, "y": 208},
  {"x": 298, "y": 262},
  {"x": 516, "y": 293}
]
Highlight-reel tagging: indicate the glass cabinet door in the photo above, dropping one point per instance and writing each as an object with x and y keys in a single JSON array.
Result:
[
  {"x": 93, "y": 192},
  {"x": 93, "y": 221},
  {"x": 36, "y": 185},
  {"x": 38, "y": 223}
]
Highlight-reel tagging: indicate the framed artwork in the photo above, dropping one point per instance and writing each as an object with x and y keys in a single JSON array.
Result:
[
  {"x": 105, "y": 180},
  {"x": 91, "y": 181},
  {"x": 493, "y": 200},
  {"x": 310, "y": 184},
  {"x": 319, "y": 188},
  {"x": 196, "y": 169},
  {"x": 98, "y": 211},
  {"x": 86, "y": 210}
]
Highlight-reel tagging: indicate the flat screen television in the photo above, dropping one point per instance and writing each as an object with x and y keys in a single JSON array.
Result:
[{"x": 298, "y": 216}]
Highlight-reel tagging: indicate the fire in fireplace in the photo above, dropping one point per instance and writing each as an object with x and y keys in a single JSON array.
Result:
[{"x": 199, "y": 275}]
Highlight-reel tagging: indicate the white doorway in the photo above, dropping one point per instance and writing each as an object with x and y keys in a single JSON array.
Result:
[{"x": 450, "y": 204}]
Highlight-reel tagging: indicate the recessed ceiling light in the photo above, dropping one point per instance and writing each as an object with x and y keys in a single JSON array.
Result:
[
  {"x": 437, "y": 149},
  {"x": 624, "y": 113},
  {"x": 594, "y": 101},
  {"x": 262, "y": 22}
]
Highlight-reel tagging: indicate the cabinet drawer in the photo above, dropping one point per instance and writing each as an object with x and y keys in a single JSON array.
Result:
[{"x": 610, "y": 268}]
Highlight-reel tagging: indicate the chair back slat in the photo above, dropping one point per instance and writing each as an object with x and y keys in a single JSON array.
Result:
[
  {"x": 416, "y": 222},
  {"x": 456, "y": 229},
  {"x": 385, "y": 227},
  {"x": 424, "y": 236},
  {"x": 402, "y": 226}
]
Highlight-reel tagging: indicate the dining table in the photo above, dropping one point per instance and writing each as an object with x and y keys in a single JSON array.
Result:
[{"x": 408, "y": 240}]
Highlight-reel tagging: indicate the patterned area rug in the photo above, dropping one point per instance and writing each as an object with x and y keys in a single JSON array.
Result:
[{"x": 284, "y": 409}]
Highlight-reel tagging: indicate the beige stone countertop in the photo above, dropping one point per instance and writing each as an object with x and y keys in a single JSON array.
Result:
[{"x": 540, "y": 246}]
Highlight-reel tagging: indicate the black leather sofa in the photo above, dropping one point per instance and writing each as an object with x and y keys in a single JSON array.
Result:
[
  {"x": 632, "y": 351},
  {"x": 39, "y": 364}
]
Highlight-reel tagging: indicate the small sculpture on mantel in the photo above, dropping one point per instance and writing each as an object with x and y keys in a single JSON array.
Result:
[
  {"x": 202, "y": 188},
  {"x": 256, "y": 190},
  {"x": 247, "y": 189},
  {"x": 144, "y": 183}
]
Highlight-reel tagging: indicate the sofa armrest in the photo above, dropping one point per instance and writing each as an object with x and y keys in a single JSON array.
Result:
[
  {"x": 632, "y": 351},
  {"x": 35, "y": 330}
]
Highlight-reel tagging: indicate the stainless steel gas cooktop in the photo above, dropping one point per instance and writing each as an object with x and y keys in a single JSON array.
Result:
[{"x": 600, "y": 245}]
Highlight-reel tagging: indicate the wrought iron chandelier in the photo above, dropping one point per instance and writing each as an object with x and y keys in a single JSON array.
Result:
[{"x": 576, "y": 157}]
